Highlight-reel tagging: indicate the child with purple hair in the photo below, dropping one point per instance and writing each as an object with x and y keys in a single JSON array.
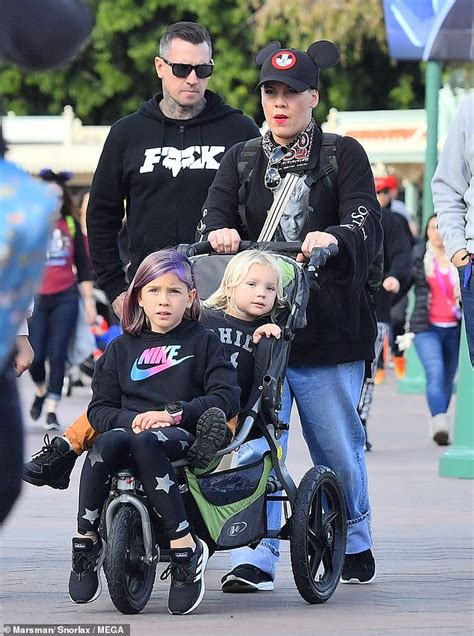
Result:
[{"x": 161, "y": 387}]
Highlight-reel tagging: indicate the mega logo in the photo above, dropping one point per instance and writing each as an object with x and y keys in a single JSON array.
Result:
[{"x": 175, "y": 159}]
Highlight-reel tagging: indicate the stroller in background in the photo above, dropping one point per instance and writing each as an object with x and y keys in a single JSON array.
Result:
[{"x": 228, "y": 508}]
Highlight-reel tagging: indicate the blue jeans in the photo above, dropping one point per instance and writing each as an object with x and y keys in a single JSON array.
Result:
[
  {"x": 51, "y": 326},
  {"x": 327, "y": 398},
  {"x": 467, "y": 296},
  {"x": 438, "y": 350}
]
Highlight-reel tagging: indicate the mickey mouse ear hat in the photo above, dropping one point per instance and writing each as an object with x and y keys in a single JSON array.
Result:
[{"x": 295, "y": 68}]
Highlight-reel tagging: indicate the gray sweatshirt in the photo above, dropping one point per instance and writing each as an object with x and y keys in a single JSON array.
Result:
[{"x": 453, "y": 183}]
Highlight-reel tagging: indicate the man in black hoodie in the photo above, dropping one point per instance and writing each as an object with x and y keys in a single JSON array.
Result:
[{"x": 161, "y": 160}]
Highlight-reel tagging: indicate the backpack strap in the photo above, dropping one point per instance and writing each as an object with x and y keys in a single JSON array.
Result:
[
  {"x": 326, "y": 170},
  {"x": 245, "y": 166}
]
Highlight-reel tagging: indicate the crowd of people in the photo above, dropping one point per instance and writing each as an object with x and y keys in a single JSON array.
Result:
[{"x": 177, "y": 165}]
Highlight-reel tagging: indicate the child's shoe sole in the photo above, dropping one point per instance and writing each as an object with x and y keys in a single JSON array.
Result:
[{"x": 211, "y": 433}]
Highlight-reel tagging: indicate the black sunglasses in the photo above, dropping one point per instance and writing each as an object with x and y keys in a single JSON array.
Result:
[
  {"x": 272, "y": 178},
  {"x": 183, "y": 70}
]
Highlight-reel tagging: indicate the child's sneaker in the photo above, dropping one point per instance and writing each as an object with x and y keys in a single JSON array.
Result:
[
  {"x": 87, "y": 559},
  {"x": 53, "y": 464},
  {"x": 211, "y": 435},
  {"x": 187, "y": 577},
  {"x": 359, "y": 568}
]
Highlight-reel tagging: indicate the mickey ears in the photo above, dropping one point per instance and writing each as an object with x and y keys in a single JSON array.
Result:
[
  {"x": 264, "y": 54},
  {"x": 324, "y": 53}
]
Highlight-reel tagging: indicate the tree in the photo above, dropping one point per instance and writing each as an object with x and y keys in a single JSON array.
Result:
[
  {"x": 367, "y": 78},
  {"x": 114, "y": 72}
]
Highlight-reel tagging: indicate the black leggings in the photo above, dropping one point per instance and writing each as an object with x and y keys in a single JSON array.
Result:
[{"x": 151, "y": 453}]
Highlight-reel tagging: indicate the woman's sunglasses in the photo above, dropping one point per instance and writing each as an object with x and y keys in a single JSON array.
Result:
[
  {"x": 183, "y": 70},
  {"x": 272, "y": 178}
]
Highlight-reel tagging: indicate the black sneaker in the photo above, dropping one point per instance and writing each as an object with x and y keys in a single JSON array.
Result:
[
  {"x": 246, "y": 578},
  {"x": 187, "y": 577},
  {"x": 37, "y": 407},
  {"x": 51, "y": 423},
  {"x": 359, "y": 568},
  {"x": 87, "y": 559},
  {"x": 211, "y": 435},
  {"x": 52, "y": 465}
]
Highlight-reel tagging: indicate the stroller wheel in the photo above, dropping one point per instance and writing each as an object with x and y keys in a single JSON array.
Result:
[
  {"x": 318, "y": 535},
  {"x": 130, "y": 578}
]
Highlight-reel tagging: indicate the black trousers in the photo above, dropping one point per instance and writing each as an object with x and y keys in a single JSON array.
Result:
[
  {"x": 11, "y": 441},
  {"x": 151, "y": 454}
]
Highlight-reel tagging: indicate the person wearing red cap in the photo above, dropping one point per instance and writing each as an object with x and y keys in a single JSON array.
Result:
[
  {"x": 397, "y": 269},
  {"x": 396, "y": 204},
  {"x": 327, "y": 360}
]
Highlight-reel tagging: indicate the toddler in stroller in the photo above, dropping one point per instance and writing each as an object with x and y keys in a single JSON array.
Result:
[{"x": 227, "y": 509}]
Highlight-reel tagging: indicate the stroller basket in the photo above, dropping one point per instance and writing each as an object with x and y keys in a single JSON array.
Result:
[{"x": 232, "y": 502}]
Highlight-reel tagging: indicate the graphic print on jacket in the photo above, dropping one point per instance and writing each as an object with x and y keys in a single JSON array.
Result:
[
  {"x": 237, "y": 337},
  {"x": 175, "y": 160},
  {"x": 144, "y": 372},
  {"x": 161, "y": 358},
  {"x": 162, "y": 168}
]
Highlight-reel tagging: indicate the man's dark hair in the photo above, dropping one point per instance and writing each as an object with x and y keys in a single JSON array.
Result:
[{"x": 188, "y": 31}]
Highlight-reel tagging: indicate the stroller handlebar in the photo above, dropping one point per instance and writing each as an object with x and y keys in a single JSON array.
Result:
[
  {"x": 204, "y": 247},
  {"x": 317, "y": 259},
  {"x": 319, "y": 256}
]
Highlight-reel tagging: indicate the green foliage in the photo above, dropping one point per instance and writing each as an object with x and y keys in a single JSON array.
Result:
[
  {"x": 114, "y": 72},
  {"x": 366, "y": 78}
]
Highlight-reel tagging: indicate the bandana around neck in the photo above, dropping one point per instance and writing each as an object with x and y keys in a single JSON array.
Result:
[{"x": 299, "y": 153}]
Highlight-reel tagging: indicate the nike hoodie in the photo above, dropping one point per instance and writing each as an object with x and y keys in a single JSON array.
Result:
[
  {"x": 162, "y": 169},
  {"x": 144, "y": 373}
]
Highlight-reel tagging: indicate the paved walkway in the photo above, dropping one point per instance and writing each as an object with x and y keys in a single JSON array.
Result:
[{"x": 423, "y": 529}]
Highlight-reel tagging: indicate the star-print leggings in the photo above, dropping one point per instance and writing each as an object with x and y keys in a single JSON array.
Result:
[{"x": 151, "y": 452}]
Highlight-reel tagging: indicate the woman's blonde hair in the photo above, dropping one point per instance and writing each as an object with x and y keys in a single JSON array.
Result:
[{"x": 235, "y": 273}]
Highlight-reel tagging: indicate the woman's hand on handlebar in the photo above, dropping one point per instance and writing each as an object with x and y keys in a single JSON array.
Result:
[
  {"x": 315, "y": 239},
  {"x": 224, "y": 241}
]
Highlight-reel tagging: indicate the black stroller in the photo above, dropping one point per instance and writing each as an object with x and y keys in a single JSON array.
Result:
[{"x": 228, "y": 508}]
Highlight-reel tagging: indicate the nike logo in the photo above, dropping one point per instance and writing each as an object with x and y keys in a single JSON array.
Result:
[{"x": 162, "y": 358}]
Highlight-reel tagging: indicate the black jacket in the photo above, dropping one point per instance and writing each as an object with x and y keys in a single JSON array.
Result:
[
  {"x": 162, "y": 169},
  {"x": 397, "y": 252},
  {"x": 341, "y": 318},
  {"x": 143, "y": 373},
  {"x": 419, "y": 319}
]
